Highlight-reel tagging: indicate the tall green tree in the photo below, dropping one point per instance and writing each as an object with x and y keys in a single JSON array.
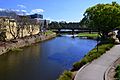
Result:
[
  {"x": 54, "y": 25},
  {"x": 102, "y": 17}
]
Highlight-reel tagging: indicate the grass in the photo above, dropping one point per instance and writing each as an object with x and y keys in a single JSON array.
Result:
[
  {"x": 48, "y": 32},
  {"x": 93, "y": 54},
  {"x": 117, "y": 75},
  {"x": 16, "y": 50},
  {"x": 37, "y": 40},
  {"x": 67, "y": 75},
  {"x": 92, "y": 35}
]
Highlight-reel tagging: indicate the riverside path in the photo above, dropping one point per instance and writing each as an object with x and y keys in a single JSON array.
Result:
[{"x": 96, "y": 69}]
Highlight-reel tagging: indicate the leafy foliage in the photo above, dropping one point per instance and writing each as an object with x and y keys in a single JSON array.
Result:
[
  {"x": 103, "y": 17},
  {"x": 92, "y": 35},
  {"x": 48, "y": 32},
  {"x": 117, "y": 75},
  {"x": 64, "y": 25},
  {"x": 93, "y": 54},
  {"x": 67, "y": 75}
]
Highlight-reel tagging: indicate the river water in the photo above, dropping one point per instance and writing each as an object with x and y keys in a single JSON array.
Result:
[{"x": 44, "y": 61}]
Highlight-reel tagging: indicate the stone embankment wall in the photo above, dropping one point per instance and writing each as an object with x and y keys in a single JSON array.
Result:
[{"x": 26, "y": 41}]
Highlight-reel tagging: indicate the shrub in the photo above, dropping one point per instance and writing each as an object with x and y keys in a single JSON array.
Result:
[
  {"x": 78, "y": 65},
  {"x": 16, "y": 50},
  {"x": 107, "y": 40},
  {"x": 67, "y": 75},
  {"x": 48, "y": 32},
  {"x": 117, "y": 75},
  {"x": 93, "y": 54},
  {"x": 37, "y": 40}
]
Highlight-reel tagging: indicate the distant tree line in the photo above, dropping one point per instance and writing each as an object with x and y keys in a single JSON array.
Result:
[{"x": 65, "y": 25}]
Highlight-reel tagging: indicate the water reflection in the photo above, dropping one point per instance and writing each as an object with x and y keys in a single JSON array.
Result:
[{"x": 44, "y": 61}]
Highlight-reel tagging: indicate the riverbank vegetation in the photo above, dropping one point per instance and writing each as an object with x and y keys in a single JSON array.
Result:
[
  {"x": 48, "y": 32},
  {"x": 90, "y": 35},
  {"x": 117, "y": 75},
  {"x": 103, "y": 18},
  {"x": 16, "y": 50},
  {"x": 67, "y": 75},
  {"x": 93, "y": 54}
]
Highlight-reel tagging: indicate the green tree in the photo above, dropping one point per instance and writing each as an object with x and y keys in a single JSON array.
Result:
[
  {"x": 54, "y": 25},
  {"x": 102, "y": 17}
]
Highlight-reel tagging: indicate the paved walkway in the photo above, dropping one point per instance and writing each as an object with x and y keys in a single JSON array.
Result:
[{"x": 96, "y": 69}]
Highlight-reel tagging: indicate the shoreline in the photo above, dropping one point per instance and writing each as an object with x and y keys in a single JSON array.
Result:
[
  {"x": 87, "y": 59},
  {"x": 23, "y": 42}
]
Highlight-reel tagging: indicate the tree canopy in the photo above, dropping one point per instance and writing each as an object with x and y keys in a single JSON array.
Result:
[
  {"x": 102, "y": 17},
  {"x": 64, "y": 25}
]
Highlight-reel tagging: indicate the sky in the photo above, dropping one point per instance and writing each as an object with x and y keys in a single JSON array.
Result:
[{"x": 54, "y": 10}]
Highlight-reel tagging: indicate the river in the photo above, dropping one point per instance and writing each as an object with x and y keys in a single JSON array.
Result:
[{"x": 44, "y": 61}]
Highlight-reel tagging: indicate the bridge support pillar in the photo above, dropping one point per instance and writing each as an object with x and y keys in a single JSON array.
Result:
[
  {"x": 59, "y": 31},
  {"x": 73, "y": 32}
]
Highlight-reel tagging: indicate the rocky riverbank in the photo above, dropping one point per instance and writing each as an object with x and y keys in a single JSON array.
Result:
[{"x": 26, "y": 41}]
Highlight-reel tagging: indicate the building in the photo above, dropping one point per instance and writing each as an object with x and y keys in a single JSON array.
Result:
[
  {"x": 35, "y": 16},
  {"x": 43, "y": 22}
]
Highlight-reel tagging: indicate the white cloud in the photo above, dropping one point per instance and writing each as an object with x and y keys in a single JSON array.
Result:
[
  {"x": 22, "y": 6},
  {"x": 20, "y": 12},
  {"x": 37, "y": 11},
  {"x": 24, "y": 11},
  {"x": 1, "y": 9},
  {"x": 16, "y": 10}
]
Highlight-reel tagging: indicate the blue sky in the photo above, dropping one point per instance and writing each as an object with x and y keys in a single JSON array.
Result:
[{"x": 55, "y": 10}]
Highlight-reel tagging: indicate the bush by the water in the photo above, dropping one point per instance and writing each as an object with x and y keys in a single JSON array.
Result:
[
  {"x": 93, "y": 54},
  {"x": 48, "y": 32},
  {"x": 67, "y": 75},
  {"x": 16, "y": 50},
  {"x": 107, "y": 40},
  {"x": 117, "y": 75}
]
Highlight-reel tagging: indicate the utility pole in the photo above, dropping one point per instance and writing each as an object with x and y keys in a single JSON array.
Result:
[{"x": 97, "y": 39}]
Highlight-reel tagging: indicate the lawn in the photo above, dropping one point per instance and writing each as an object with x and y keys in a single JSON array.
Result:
[
  {"x": 93, "y": 35},
  {"x": 48, "y": 32}
]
